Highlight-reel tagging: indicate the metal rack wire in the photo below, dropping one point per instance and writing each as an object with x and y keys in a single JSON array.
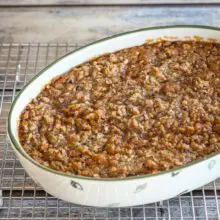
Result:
[{"x": 21, "y": 198}]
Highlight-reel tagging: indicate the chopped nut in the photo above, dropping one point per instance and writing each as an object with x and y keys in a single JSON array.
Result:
[{"x": 140, "y": 110}]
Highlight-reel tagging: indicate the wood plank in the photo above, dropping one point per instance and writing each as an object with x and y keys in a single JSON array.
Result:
[
  {"x": 101, "y": 2},
  {"x": 85, "y": 24}
]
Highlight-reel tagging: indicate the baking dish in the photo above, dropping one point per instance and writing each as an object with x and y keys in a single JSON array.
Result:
[{"x": 113, "y": 192}]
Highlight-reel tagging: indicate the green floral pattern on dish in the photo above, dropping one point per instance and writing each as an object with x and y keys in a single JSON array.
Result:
[
  {"x": 211, "y": 164},
  {"x": 76, "y": 185}
]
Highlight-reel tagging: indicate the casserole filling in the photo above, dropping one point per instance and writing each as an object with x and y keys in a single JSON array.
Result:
[{"x": 140, "y": 110}]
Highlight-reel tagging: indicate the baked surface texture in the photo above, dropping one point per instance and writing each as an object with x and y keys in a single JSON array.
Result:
[{"x": 140, "y": 110}]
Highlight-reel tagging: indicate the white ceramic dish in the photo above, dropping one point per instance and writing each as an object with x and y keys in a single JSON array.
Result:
[{"x": 112, "y": 192}]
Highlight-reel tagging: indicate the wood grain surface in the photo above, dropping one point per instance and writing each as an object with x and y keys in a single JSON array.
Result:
[{"x": 86, "y": 24}]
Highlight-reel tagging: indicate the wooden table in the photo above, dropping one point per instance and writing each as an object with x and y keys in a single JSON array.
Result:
[{"x": 70, "y": 21}]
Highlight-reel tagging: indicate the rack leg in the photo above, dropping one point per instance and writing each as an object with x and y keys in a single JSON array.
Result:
[{"x": 1, "y": 199}]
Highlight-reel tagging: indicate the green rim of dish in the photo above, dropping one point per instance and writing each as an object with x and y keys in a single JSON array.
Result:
[{"x": 16, "y": 145}]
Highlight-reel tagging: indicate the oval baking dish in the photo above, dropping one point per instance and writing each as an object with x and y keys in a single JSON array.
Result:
[{"x": 113, "y": 192}]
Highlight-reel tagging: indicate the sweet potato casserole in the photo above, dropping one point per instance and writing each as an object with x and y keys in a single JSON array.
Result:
[{"x": 140, "y": 110}]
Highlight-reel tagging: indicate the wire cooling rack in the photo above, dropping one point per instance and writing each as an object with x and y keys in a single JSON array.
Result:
[{"x": 21, "y": 198}]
